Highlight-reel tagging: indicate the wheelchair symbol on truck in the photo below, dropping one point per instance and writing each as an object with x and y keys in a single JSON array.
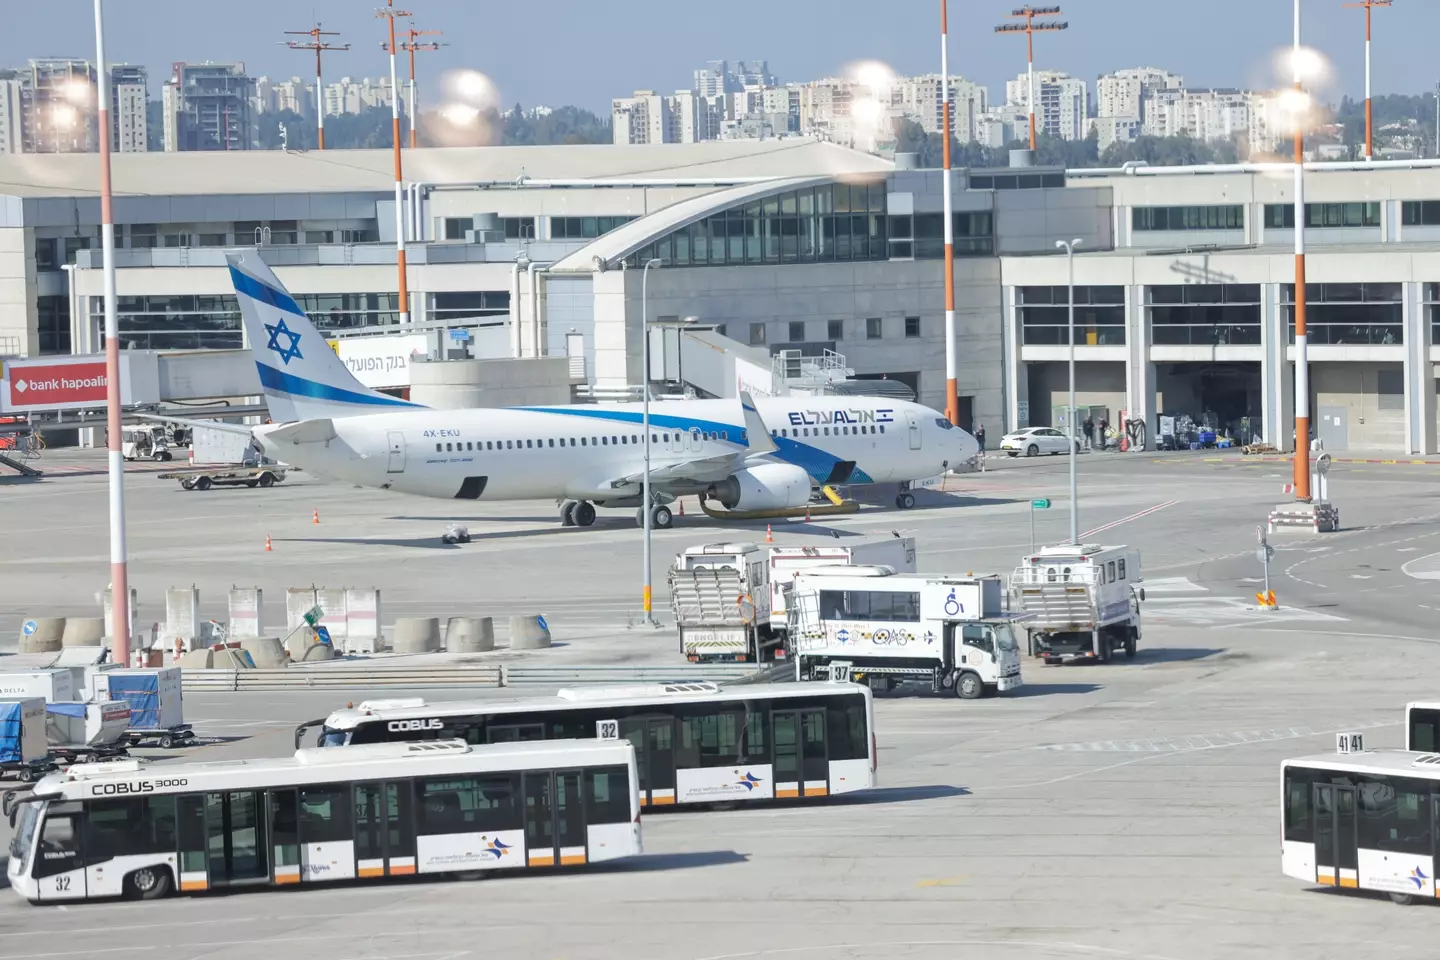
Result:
[{"x": 953, "y": 606}]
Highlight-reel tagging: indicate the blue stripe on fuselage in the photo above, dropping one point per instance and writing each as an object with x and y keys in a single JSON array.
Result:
[{"x": 816, "y": 462}]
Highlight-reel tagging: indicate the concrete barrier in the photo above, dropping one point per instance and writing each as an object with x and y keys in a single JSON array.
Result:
[
  {"x": 416, "y": 635},
  {"x": 46, "y": 636},
  {"x": 202, "y": 659},
  {"x": 470, "y": 635},
  {"x": 316, "y": 651},
  {"x": 267, "y": 652},
  {"x": 83, "y": 632},
  {"x": 246, "y": 605},
  {"x": 529, "y": 633}
]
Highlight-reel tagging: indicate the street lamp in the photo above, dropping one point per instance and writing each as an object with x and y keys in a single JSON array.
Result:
[
  {"x": 1069, "y": 248},
  {"x": 645, "y": 386}
]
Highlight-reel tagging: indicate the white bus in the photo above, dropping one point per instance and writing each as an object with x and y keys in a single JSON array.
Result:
[
  {"x": 1422, "y": 727},
  {"x": 1363, "y": 820},
  {"x": 123, "y": 828},
  {"x": 694, "y": 742}
]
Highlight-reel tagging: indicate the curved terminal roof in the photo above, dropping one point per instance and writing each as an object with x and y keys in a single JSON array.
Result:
[{"x": 338, "y": 171}]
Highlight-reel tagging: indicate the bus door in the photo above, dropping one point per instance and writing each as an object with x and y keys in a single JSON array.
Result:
[
  {"x": 554, "y": 818},
  {"x": 384, "y": 829},
  {"x": 1336, "y": 855},
  {"x": 654, "y": 740},
  {"x": 235, "y": 842},
  {"x": 59, "y": 861},
  {"x": 802, "y": 760}
]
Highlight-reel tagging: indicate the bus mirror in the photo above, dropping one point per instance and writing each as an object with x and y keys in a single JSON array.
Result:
[
  {"x": 1142, "y": 594},
  {"x": 7, "y": 806}
]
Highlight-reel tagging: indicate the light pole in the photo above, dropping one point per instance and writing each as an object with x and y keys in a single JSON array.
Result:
[
  {"x": 1069, "y": 248},
  {"x": 647, "y": 594}
]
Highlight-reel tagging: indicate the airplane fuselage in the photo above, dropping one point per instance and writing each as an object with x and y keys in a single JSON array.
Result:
[{"x": 584, "y": 452}]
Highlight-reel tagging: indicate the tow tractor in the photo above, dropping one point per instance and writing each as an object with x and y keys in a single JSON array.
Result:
[{"x": 145, "y": 441}]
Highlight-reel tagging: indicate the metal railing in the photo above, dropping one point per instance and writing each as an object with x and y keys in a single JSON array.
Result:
[{"x": 453, "y": 675}]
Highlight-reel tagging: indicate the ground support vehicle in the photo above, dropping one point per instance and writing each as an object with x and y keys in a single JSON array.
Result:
[
  {"x": 887, "y": 629},
  {"x": 696, "y": 743},
  {"x": 86, "y": 732},
  {"x": 145, "y": 442},
  {"x": 720, "y": 596},
  {"x": 389, "y": 810},
  {"x": 23, "y": 751},
  {"x": 156, "y": 704},
  {"x": 203, "y": 478},
  {"x": 1082, "y": 602},
  {"x": 787, "y": 561}
]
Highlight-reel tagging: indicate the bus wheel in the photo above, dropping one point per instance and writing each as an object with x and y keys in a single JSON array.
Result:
[
  {"x": 148, "y": 883},
  {"x": 969, "y": 687},
  {"x": 1404, "y": 899}
]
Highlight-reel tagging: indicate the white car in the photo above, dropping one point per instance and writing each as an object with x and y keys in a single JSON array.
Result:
[{"x": 1033, "y": 441}]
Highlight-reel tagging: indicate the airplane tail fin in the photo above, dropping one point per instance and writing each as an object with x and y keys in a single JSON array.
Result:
[
  {"x": 301, "y": 375},
  {"x": 756, "y": 432}
]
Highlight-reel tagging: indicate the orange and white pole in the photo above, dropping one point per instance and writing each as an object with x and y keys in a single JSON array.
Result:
[
  {"x": 119, "y": 572},
  {"x": 952, "y": 399},
  {"x": 1302, "y": 362},
  {"x": 1369, "y": 112},
  {"x": 319, "y": 96},
  {"x": 1030, "y": 51},
  {"x": 411, "y": 48},
  {"x": 390, "y": 13}
]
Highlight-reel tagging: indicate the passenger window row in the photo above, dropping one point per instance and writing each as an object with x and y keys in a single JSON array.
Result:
[
  {"x": 816, "y": 431},
  {"x": 470, "y": 446}
]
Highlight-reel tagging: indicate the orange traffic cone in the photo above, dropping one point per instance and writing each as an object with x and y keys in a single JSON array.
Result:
[
  {"x": 682, "y": 507},
  {"x": 769, "y": 535},
  {"x": 267, "y": 543},
  {"x": 807, "y": 513},
  {"x": 315, "y": 518}
]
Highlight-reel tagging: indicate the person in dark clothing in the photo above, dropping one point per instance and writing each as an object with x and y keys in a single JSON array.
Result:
[
  {"x": 980, "y": 437},
  {"x": 1089, "y": 431},
  {"x": 1104, "y": 433}
]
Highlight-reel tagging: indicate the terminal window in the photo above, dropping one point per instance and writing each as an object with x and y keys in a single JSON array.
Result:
[
  {"x": 1205, "y": 314},
  {"x": 1217, "y": 217},
  {"x": 1099, "y": 315},
  {"x": 1281, "y": 216},
  {"x": 1348, "y": 313}
]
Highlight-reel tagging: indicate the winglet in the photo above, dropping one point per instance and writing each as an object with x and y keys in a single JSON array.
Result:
[{"x": 756, "y": 432}]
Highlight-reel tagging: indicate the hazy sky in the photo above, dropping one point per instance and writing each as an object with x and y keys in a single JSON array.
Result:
[{"x": 585, "y": 52}]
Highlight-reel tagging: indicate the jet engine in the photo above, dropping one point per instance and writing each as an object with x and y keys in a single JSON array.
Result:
[{"x": 766, "y": 486}]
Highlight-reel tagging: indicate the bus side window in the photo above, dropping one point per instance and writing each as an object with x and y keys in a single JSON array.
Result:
[
  {"x": 1110, "y": 572},
  {"x": 1122, "y": 569}
]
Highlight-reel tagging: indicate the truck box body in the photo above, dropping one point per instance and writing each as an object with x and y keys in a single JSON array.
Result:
[
  {"x": 897, "y": 553},
  {"x": 209, "y": 446},
  {"x": 718, "y": 592},
  {"x": 95, "y": 724},
  {"x": 153, "y": 695},
  {"x": 1076, "y": 588},
  {"x": 22, "y": 730},
  {"x": 49, "y": 685}
]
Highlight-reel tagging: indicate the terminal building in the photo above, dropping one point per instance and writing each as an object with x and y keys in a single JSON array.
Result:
[{"x": 774, "y": 265}]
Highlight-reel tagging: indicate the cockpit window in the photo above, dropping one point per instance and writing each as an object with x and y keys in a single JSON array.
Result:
[{"x": 944, "y": 424}]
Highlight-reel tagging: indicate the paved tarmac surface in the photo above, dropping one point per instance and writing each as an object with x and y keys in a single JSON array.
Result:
[{"x": 1120, "y": 811}]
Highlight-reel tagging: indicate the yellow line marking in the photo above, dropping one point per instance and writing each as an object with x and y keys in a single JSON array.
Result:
[{"x": 942, "y": 882}]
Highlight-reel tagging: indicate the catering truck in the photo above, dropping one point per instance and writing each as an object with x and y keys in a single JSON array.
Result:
[
  {"x": 729, "y": 599},
  {"x": 869, "y": 624},
  {"x": 1082, "y": 602}
]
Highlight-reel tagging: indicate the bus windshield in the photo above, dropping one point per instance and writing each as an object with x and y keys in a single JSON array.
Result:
[
  {"x": 1005, "y": 638},
  {"x": 24, "y": 834},
  {"x": 330, "y": 737}
]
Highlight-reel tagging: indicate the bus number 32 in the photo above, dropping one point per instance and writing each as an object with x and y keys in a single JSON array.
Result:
[{"x": 62, "y": 884}]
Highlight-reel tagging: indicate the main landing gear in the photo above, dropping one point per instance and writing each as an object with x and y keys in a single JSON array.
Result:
[
  {"x": 660, "y": 517},
  {"x": 905, "y": 500},
  {"x": 577, "y": 513}
]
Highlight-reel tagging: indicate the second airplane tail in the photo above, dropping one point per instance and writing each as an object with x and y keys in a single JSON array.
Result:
[{"x": 301, "y": 375}]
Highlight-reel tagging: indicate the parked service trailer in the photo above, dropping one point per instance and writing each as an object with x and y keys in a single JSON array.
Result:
[
  {"x": 203, "y": 478},
  {"x": 155, "y": 699},
  {"x": 23, "y": 750}
]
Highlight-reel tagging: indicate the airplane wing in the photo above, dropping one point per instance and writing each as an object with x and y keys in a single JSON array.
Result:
[
  {"x": 704, "y": 470},
  {"x": 236, "y": 428}
]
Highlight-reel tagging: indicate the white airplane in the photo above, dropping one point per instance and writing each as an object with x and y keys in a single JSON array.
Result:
[{"x": 749, "y": 455}]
